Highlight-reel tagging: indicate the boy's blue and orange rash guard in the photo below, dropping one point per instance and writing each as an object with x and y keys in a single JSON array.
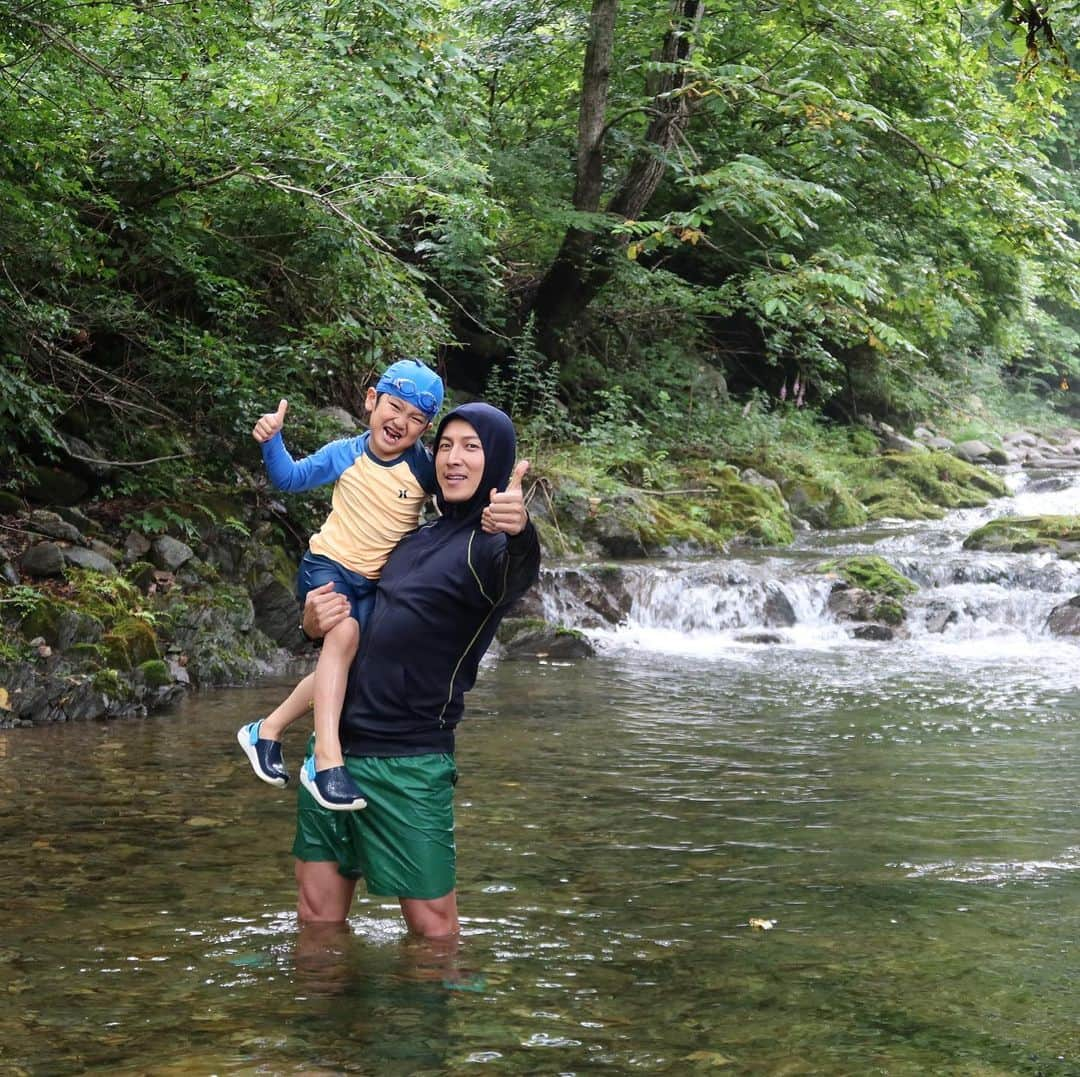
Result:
[{"x": 375, "y": 503}]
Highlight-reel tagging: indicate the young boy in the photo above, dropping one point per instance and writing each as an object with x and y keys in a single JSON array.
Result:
[{"x": 381, "y": 480}]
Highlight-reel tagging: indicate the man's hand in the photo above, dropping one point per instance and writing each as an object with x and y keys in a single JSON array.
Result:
[
  {"x": 271, "y": 423},
  {"x": 324, "y": 608},
  {"x": 506, "y": 512}
]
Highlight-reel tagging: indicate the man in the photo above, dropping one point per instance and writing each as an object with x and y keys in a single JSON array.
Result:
[{"x": 441, "y": 595}]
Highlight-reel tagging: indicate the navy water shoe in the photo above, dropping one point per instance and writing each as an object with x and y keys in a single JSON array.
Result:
[
  {"x": 263, "y": 755},
  {"x": 333, "y": 788}
]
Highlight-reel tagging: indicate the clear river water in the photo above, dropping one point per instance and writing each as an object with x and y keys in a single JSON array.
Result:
[{"x": 692, "y": 854}]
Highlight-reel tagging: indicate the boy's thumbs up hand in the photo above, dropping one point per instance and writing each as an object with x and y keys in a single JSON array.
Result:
[
  {"x": 506, "y": 512},
  {"x": 271, "y": 423}
]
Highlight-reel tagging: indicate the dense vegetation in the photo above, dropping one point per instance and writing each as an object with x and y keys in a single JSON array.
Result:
[{"x": 685, "y": 225}]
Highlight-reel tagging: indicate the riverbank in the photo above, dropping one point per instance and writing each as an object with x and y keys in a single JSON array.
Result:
[{"x": 114, "y": 607}]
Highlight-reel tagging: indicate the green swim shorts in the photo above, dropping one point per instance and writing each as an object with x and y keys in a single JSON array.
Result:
[{"x": 402, "y": 843}]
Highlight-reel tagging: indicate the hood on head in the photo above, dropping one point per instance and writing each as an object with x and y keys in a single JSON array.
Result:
[{"x": 497, "y": 436}]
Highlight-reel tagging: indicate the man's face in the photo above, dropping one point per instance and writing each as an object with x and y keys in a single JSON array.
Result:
[
  {"x": 459, "y": 461},
  {"x": 395, "y": 424}
]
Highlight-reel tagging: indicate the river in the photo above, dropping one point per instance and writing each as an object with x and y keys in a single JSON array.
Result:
[{"x": 690, "y": 854}]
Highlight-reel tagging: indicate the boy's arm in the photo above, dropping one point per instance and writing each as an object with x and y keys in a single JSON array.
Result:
[{"x": 315, "y": 470}]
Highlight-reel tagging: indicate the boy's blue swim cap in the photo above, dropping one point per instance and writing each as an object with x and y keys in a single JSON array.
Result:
[{"x": 414, "y": 383}]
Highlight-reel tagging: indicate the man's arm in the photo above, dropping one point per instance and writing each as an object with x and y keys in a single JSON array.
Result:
[{"x": 323, "y": 608}]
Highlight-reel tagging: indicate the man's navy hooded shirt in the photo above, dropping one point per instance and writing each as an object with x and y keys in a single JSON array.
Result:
[{"x": 442, "y": 594}]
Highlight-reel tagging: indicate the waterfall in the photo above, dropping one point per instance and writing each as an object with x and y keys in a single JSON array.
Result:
[{"x": 966, "y": 599}]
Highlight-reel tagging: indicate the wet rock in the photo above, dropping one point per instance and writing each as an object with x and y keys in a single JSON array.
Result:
[
  {"x": 1064, "y": 620},
  {"x": 874, "y": 632},
  {"x": 170, "y": 553},
  {"x": 520, "y": 638},
  {"x": 42, "y": 561},
  {"x": 599, "y": 588},
  {"x": 778, "y": 609},
  {"x": 52, "y": 525},
  {"x": 136, "y": 547},
  {"x": 278, "y": 614},
  {"x": 848, "y": 603},
  {"x": 759, "y": 637},
  {"x": 88, "y": 559},
  {"x": 939, "y": 616}
]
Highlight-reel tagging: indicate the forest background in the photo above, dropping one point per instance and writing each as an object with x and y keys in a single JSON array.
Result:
[{"x": 668, "y": 237}]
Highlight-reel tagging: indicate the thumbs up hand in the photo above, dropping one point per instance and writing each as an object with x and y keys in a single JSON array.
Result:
[
  {"x": 506, "y": 512},
  {"x": 271, "y": 423}
]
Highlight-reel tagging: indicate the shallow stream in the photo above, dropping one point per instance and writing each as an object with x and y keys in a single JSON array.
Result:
[{"x": 901, "y": 817}]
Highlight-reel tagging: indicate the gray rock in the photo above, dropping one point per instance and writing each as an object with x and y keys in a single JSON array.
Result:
[
  {"x": 73, "y": 627},
  {"x": 88, "y": 559},
  {"x": 896, "y": 442},
  {"x": 52, "y": 525},
  {"x": 8, "y": 571},
  {"x": 778, "y": 609},
  {"x": 874, "y": 632},
  {"x": 940, "y": 444},
  {"x": 973, "y": 451},
  {"x": 170, "y": 553},
  {"x": 939, "y": 616},
  {"x": 84, "y": 458},
  {"x": 43, "y": 560},
  {"x": 83, "y": 702},
  {"x": 278, "y": 613},
  {"x": 754, "y": 478},
  {"x": 136, "y": 547},
  {"x": 76, "y": 518},
  {"x": 759, "y": 637},
  {"x": 341, "y": 418},
  {"x": 529, "y": 640},
  {"x": 1064, "y": 620}
]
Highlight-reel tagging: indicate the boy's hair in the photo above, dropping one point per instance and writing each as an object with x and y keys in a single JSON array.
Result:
[{"x": 414, "y": 383}]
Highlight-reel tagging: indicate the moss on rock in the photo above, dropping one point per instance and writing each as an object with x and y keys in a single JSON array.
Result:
[
  {"x": 154, "y": 673},
  {"x": 934, "y": 481},
  {"x": 874, "y": 574},
  {"x": 1024, "y": 534},
  {"x": 130, "y": 643}
]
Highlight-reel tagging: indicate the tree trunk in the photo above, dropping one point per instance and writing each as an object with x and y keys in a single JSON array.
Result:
[{"x": 584, "y": 263}]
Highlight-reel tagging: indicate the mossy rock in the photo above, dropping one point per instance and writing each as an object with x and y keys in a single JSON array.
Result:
[
  {"x": 728, "y": 507},
  {"x": 874, "y": 574},
  {"x": 44, "y": 620},
  {"x": 1026, "y": 534},
  {"x": 892, "y": 499},
  {"x": 936, "y": 478},
  {"x": 154, "y": 673},
  {"x": 130, "y": 643},
  {"x": 110, "y": 682},
  {"x": 822, "y": 503}
]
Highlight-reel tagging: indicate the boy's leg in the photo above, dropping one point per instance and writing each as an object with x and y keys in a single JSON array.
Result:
[
  {"x": 331, "y": 677},
  {"x": 295, "y": 706}
]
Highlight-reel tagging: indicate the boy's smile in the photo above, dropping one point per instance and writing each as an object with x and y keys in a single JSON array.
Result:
[
  {"x": 459, "y": 461},
  {"x": 394, "y": 424}
]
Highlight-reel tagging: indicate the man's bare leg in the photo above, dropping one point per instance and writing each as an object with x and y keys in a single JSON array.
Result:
[
  {"x": 433, "y": 919},
  {"x": 323, "y": 894}
]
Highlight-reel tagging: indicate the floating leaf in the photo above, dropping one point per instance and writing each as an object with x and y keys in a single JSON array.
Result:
[{"x": 758, "y": 924}]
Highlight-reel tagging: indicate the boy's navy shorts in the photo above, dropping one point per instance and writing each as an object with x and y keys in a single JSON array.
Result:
[{"x": 315, "y": 570}]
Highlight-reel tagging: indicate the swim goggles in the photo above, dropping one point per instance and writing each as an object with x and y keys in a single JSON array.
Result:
[{"x": 407, "y": 389}]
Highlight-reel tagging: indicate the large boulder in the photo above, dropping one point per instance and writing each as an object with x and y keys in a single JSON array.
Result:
[
  {"x": 43, "y": 560},
  {"x": 523, "y": 638}
]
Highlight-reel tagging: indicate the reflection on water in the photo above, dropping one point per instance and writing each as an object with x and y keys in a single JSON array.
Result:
[{"x": 907, "y": 820}]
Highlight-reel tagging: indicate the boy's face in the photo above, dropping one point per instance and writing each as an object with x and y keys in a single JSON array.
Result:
[
  {"x": 395, "y": 425},
  {"x": 459, "y": 461}
]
